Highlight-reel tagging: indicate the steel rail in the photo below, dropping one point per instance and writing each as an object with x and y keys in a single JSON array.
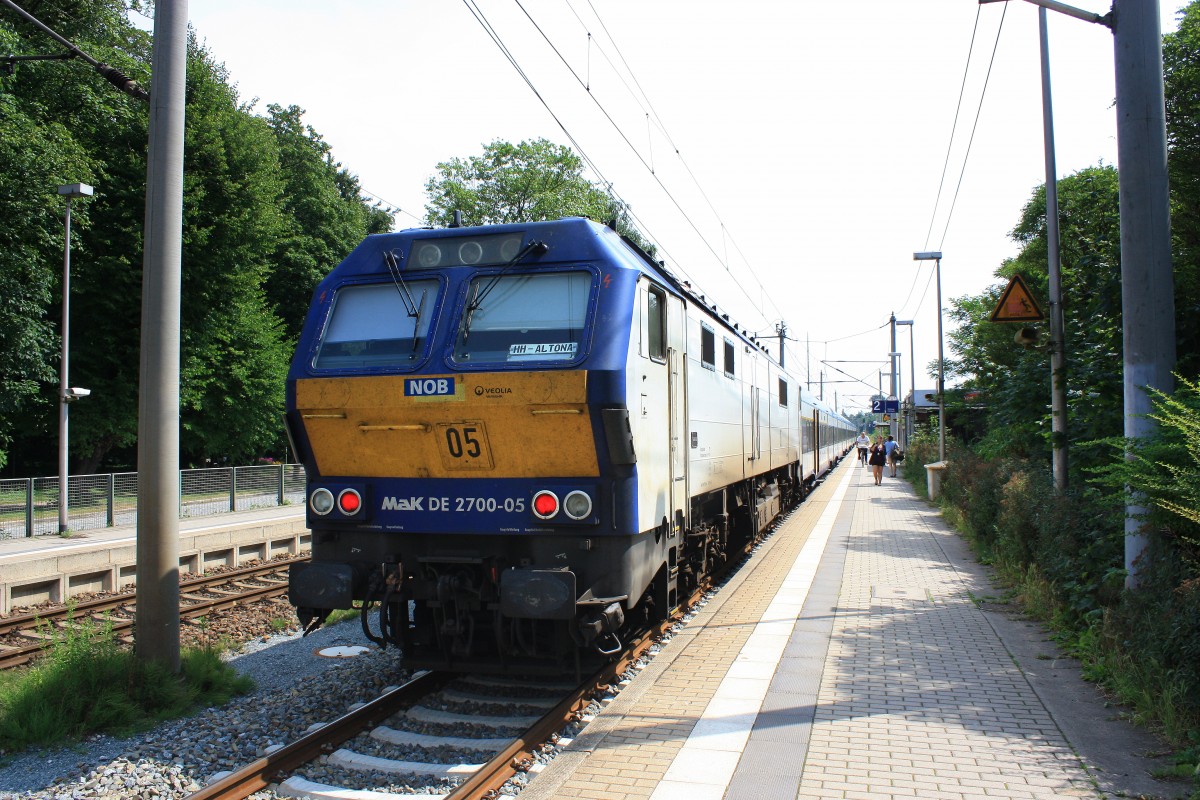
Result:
[
  {"x": 259, "y": 774},
  {"x": 14, "y": 656},
  {"x": 496, "y": 772},
  {"x": 33, "y": 619}
]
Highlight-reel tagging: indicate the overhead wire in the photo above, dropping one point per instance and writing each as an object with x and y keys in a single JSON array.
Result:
[
  {"x": 953, "y": 128},
  {"x": 494, "y": 35},
  {"x": 390, "y": 206},
  {"x": 949, "y": 149},
  {"x": 974, "y": 126},
  {"x": 647, "y": 164},
  {"x": 666, "y": 135}
]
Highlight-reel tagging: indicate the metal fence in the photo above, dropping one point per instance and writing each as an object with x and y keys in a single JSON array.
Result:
[{"x": 29, "y": 506}]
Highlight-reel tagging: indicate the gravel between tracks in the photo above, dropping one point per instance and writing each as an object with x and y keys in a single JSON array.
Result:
[{"x": 295, "y": 688}]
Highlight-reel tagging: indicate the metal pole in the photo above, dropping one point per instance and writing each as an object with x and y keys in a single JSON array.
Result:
[
  {"x": 910, "y": 423},
  {"x": 158, "y": 411},
  {"x": 1058, "y": 361},
  {"x": 781, "y": 329},
  {"x": 1147, "y": 283},
  {"x": 910, "y": 408},
  {"x": 893, "y": 425},
  {"x": 941, "y": 387},
  {"x": 64, "y": 368}
]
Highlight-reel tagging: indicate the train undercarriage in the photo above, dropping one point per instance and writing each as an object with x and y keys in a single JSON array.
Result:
[{"x": 453, "y": 602}]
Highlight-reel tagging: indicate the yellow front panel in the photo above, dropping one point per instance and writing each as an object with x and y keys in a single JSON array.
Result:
[{"x": 494, "y": 425}]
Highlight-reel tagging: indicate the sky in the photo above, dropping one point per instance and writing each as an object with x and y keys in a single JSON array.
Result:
[{"x": 786, "y": 156}]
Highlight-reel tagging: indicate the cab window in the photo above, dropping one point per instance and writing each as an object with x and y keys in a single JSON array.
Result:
[
  {"x": 656, "y": 324},
  {"x": 514, "y": 319},
  {"x": 377, "y": 325}
]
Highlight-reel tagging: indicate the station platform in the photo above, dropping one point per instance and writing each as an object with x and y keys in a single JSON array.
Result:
[
  {"x": 861, "y": 652},
  {"x": 51, "y": 568}
]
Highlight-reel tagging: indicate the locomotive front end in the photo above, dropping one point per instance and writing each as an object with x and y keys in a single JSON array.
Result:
[{"x": 453, "y": 397}]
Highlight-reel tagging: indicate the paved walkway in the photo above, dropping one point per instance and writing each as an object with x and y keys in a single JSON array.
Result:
[{"x": 847, "y": 659}]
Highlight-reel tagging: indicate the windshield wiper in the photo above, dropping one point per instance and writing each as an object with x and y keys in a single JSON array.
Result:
[
  {"x": 417, "y": 326},
  {"x": 535, "y": 248},
  {"x": 389, "y": 258}
]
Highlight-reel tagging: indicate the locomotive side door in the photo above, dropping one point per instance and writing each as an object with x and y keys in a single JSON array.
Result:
[{"x": 677, "y": 415}]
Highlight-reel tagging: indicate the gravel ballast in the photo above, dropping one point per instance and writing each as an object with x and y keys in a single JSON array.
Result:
[{"x": 295, "y": 688}]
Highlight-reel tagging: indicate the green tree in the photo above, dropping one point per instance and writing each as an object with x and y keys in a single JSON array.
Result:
[
  {"x": 526, "y": 182},
  {"x": 1014, "y": 382},
  {"x": 233, "y": 361},
  {"x": 1181, "y": 62},
  {"x": 60, "y": 122},
  {"x": 325, "y": 216},
  {"x": 267, "y": 212}
]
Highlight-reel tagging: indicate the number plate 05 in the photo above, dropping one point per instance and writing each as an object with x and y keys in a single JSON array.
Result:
[{"x": 464, "y": 445}]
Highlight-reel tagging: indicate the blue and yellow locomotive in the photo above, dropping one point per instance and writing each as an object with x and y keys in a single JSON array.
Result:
[{"x": 523, "y": 440}]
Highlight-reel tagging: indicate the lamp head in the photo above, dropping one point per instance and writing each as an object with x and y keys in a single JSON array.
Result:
[
  {"x": 1026, "y": 337},
  {"x": 928, "y": 255},
  {"x": 73, "y": 190}
]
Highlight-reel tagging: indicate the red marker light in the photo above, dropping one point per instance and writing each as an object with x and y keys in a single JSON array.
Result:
[
  {"x": 545, "y": 504},
  {"x": 349, "y": 501}
]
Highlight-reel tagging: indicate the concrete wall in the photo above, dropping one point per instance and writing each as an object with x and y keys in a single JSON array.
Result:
[{"x": 61, "y": 569}]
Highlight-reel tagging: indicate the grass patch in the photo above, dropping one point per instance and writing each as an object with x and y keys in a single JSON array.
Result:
[
  {"x": 89, "y": 683},
  {"x": 339, "y": 615}
]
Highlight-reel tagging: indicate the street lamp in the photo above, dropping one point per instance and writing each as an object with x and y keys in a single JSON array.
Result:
[
  {"x": 936, "y": 257},
  {"x": 912, "y": 378},
  {"x": 66, "y": 393}
]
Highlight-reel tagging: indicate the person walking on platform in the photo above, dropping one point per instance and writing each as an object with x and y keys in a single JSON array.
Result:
[
  {"x": 877, "y": 459},
  {"x": 890, "y": 447},
  {"x": 863, "y": 443}
]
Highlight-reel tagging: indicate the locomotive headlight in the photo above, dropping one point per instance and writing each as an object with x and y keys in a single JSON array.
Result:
[
  {"x": 545, "y": 504},
  {"x": 578, "y": 505},
  {"x": 349, "y": 501},
  {"x": 470, "y": 252},
  {"x": 510, "y": 247},
  {"x": 429, "y": 255},
  {"x": 321, "y": 501}
]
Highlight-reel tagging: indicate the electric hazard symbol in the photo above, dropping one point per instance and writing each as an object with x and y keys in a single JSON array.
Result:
[{"x": 1017, "y": 304}]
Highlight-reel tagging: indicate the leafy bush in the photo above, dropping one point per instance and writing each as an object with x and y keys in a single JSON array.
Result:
[
  {"x": 1063, "y": 554},
  {"x": 89, "y": 683}
]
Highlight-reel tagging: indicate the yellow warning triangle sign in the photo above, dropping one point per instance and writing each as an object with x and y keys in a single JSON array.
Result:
[{"x": 1017, "y": 304}]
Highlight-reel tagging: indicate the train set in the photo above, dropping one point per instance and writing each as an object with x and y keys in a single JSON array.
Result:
[{"x": 523, "y": 441}]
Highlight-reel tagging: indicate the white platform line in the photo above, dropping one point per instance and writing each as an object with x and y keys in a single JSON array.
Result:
[{"x": 704, "y": 766}]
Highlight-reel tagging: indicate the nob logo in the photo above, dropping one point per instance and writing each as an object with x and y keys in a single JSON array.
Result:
[{"x": 420, "y": 387}]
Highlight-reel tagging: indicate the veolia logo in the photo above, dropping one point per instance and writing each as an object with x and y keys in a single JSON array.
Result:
[{"x": 422, "y": 387}]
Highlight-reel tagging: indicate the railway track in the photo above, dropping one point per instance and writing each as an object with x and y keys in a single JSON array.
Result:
[
  {"x": 341, "y": 742},
  {"x": 24, "y": 637},
  {"x": 391, "y": 719}
]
